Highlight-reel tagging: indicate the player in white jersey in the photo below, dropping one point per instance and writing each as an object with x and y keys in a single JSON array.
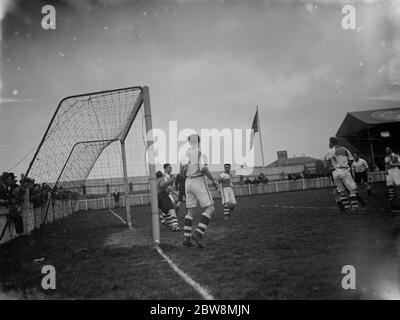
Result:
[
  {"x": 392, "y": 175},
  {"x": 360, "y": 172},
  {"x": 194, "y": 167},
  {"x": 227, "y": 194},
  {"x": 340, "y": 157}
]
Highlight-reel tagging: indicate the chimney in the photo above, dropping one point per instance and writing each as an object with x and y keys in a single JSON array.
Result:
[{"x": 282, "y": 156}]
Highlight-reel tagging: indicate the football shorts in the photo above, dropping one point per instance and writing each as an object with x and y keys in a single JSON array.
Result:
[
  {"x": 343, "y": 180},
  {"x": 197, "y": 192},
  {"x": 228, "y": 196},
  {"x": 393, "y": 177}
]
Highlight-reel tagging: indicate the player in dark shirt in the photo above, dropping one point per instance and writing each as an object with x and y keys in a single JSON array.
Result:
[{"x": 165, "y": 203}]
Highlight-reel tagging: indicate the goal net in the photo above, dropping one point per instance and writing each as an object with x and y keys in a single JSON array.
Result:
[{"x": 88, "y": 137}]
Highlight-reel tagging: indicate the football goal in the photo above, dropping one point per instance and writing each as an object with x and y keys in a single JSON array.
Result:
[{"x": 100, "y": 140}]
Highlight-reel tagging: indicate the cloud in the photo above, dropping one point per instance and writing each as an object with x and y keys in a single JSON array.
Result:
[{"x": 224, "y": 82}]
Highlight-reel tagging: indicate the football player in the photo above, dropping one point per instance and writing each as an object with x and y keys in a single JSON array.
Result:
[
  {"x": 392, "y": 176},
  {"x": 227, "y": 194},
  {"x": 360, "y": 172},
  {"x": 340, "y": 157},
  {"x": 194, "y": 168},
  {"x": 165, "y": 203}
]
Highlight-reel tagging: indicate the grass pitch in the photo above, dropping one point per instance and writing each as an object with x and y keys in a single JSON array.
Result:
[{"x": 276, "y": 246}]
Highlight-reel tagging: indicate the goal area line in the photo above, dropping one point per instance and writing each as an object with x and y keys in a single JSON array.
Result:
[
  {"x": 196, "y": 286},
  {"x": 204, "y": 293},
  {"x": 123, "y": 221}
]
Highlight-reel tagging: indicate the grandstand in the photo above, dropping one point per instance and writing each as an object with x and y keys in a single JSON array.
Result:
[{"x": 370, "y": 131}]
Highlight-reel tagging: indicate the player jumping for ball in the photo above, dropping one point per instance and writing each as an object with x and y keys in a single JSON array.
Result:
[
  {"x": 392, "y": 176},
  {"x": 227, "y": 194},
  {"x": 194, "y": 168},
  {"x": 340, "y": 157},
  {"x": 360, "y": 171}
]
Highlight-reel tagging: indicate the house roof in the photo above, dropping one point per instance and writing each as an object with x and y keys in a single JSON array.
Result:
[
  {"x": 292, "y": 161},
  {"x": 360, "y": 120}
]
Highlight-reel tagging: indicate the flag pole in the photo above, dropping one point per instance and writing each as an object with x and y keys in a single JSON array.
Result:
[{"x": 259, "y": 133}]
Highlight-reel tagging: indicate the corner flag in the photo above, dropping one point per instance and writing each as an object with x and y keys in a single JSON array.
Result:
[{"x": 254, "y": 129}]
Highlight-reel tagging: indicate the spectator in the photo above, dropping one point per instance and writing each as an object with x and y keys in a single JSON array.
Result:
[
  {"x": 116, "y": 196},
  {"x": 35, "y": 196},
  {"x": 306, "y": 173},
  {"x": 375, "y": 168},
  {"x": 54, "y": 196},
  {"x": 5, "y": 189},
  {"x": 262, "y": 178},
  {"x": 10, "y": 191}
]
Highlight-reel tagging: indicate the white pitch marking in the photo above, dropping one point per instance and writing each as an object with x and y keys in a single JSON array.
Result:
[
  {"x": 302, "y": 207},
  {"x": 299, "y": 207},
  {"x": 197, "y": 287},
  {"x": 117, "y": 216}
]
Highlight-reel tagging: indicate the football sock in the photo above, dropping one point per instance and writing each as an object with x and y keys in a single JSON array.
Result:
[
  {"x": 345, "y": 201},
  {"x": 340, "y": 204},
  {"x": 391, "y": 193},
  {"x": 168, "y": 219},
  {"x": 353, "y": 200},
  {"x": 226, "y": 210},
  {"x": 173, "y": 220},
  {"x": 188, "y": 226},
  {"x": 203, "y": 224}
]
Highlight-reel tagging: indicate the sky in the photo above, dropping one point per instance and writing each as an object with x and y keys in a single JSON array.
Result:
[{"x": 208, "y": 64}]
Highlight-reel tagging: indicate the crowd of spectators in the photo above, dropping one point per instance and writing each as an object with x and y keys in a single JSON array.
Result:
[
  {"x": 260, "y": 179},
  {"x": 307, "y": 175},
  {"x": 12, "y": 192}
]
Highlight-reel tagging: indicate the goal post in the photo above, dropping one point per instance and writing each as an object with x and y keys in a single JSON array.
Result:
[
  {"x": 155, "y": 221},
  {"x": 126, "y": 187},
  {"x": 101, "y": 137}
]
